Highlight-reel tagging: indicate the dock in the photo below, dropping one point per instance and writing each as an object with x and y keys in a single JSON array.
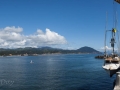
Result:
[{"x": 117, "y": 81}]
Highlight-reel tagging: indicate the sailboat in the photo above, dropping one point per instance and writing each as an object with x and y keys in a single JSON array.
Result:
[{"x": 112, "y": 61}]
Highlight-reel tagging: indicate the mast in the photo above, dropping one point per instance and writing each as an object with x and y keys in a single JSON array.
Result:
[
  {"x": 113, "y": 30},
  {"x": 115, "y": 26},
  {"x": 105, "y": 43},
  {"x": 112, "y": 40},
  {"x": 105, "y": 34}
]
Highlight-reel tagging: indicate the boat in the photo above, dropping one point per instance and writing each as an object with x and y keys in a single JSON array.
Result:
[
  {"x": 112, "y": 61},
  {"x": 31, "y": 61}
]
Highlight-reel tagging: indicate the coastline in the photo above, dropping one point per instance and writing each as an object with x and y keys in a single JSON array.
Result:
[{"x": 44, "y": 54}]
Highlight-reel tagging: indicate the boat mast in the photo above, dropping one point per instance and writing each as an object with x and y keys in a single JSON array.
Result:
[
  {"x": 113, "y": 30},
  {"x": 105, "y": 43},
  {"x": 115, "y": 26},
  {"x": 105, "y": 34}
]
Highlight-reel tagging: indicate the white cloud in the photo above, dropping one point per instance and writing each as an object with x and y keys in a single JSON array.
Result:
[
  {"x": 12, "y": 37},
  {"x": 9, "y": 29},
  {"x": 106, "y": 47}
]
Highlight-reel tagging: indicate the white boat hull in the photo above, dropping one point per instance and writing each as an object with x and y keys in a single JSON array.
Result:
[{"x": 111, "y": 68}]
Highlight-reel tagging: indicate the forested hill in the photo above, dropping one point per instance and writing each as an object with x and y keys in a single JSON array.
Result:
[
  {"x": 44, "y": 50},
  {"x": 87, "y": 50}
]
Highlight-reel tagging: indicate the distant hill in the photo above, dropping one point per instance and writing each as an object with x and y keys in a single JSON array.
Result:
[
  {"x": 49, "y": 48},
  {"x": 87, "y": 50}
]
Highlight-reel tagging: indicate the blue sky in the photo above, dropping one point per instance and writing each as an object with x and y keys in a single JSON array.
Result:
[{"x": 68, "y": 24}]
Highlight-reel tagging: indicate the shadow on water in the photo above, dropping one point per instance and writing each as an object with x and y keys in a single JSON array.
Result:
[{"x": 84, "y": 87}]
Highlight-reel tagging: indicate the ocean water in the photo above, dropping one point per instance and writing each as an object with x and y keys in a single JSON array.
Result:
[{"x": 54, "y": 72}]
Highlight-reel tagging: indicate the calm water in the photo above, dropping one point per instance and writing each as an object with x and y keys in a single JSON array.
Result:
[{"x": 54, "y": 72}]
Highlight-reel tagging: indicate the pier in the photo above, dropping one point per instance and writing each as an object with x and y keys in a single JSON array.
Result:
[{"x": 117, "y": 81}]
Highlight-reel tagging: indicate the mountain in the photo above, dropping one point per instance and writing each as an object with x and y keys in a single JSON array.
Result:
[
  {"x": 87, "y": 50},
  {"x": 49, "y": 48},
  {"x": 44, "y": 50}
]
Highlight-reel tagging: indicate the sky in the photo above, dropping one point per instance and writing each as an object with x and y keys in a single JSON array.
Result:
[{"x": 67, "y": 24}]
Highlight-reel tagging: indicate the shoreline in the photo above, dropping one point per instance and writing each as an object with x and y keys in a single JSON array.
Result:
[{"x": 43, "y": 54}]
